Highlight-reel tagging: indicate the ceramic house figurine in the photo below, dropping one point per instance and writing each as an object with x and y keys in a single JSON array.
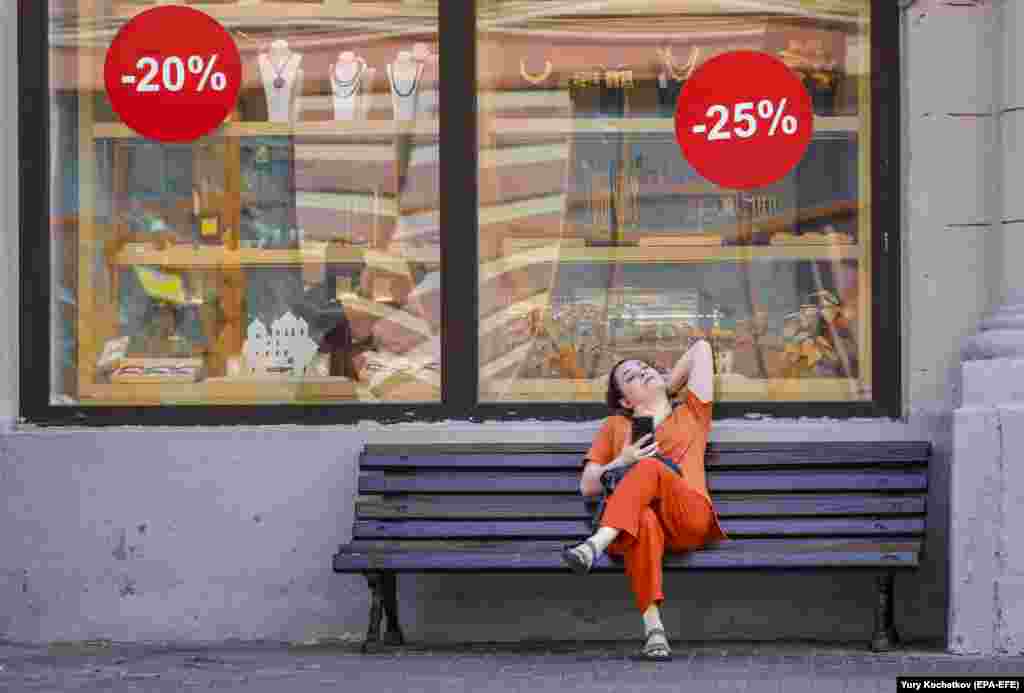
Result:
[{"x": 284, "y": 349}]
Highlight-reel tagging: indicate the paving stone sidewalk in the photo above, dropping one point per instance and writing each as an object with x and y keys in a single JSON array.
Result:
[{"x": 270, "y": 667}]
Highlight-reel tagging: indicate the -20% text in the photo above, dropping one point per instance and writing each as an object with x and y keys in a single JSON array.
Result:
[
  {"x": 172, "y": 72},
  {"x": 743, "y": 117}
]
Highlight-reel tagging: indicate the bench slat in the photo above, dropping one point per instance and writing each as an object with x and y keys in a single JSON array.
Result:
[
  {"x": 537, "y": 482},
  {"x": 771, "y": 545},
  {"x": 381, "y": 529},
  {"x": 910, "y": 449},
  {"x": 461, "y": 561},
  {"x": 821, "y": 455},
  {"x": 498, "y": 507}
]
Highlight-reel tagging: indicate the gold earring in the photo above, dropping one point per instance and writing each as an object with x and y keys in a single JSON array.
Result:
[{"x": 533, "y": 79}]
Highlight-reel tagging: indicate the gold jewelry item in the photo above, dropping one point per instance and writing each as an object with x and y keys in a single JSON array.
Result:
[
  {"x": 679, "y": 76},
  {"x": 532, "y": 79}
]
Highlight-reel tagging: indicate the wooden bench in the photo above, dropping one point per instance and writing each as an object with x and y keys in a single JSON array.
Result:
[{"x": 511, "y": 508}]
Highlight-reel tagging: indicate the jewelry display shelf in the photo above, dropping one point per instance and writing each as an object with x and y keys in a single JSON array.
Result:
[
  {"x": 505, "y": 127},
  {"x": 313, "y": 128},
  {"x": 727, "y": 388},
  {"x": 697, "y": 253},
  {"x": 224, "y": 390},
  {"x": 209, "y": 257},
  {"x": 213, "y": 257}
]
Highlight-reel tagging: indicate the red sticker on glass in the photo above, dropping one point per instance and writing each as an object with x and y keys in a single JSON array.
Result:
[
  {"x": 744, "y": 120},
  {"x": 173, "y": 74}
]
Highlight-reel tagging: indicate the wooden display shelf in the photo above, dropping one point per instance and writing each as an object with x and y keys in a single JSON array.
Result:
[
  {"x": 324, "y": 128},
  {"x": 216, "y": 257},
  {"x": 238, "y": 390},
  {"x": 697, "y": 253},
  {"x": 737, "y": 388},
  {"x": 430, "y": 127},
  {"x": 777, "y": 224},
  {"x": 213, "y": 257},
  {"x": 568, "y": 126},
  {"x": 727, "y": 388}
]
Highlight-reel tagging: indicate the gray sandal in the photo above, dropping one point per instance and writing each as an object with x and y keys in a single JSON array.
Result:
[
  {"x": 577, "y": 564},
  {"x": 658, "y": 652}
]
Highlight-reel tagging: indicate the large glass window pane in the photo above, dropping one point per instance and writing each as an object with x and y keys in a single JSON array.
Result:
[
  {"x": 599, "y": 242},
  {"x": 292, "y": 256}
]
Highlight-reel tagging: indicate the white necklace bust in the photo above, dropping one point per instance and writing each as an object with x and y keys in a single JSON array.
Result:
[
  {"x": 403, "y": 79},
  {"x": 282, "y": 81},
  {"x": 426, "y": 101},
  {"x": 349, "y": 79}
]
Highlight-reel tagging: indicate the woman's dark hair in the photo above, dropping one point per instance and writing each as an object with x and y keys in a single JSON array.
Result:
[
  {"x": 614, "y": 394},
  {"x": 338, "y": 344}
]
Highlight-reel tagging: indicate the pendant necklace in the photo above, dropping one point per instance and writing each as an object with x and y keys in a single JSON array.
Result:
[
  {"x": 278, "y": 79},
  {"x": 354, "y": 82},
  {"x": 679, "y": 75},
  {"x": 394, "y": 82}
]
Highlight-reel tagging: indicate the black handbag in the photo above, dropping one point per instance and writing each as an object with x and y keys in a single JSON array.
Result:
[{"x": 610, "y": 480}]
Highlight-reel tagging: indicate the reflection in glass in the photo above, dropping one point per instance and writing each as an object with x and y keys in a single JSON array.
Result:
[
  {"x": 600, "y": 242},
  {"x": 292, "y": 256}
]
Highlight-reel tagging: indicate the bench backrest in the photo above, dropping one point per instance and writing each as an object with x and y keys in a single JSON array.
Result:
[{"x": 479, "y": 496}]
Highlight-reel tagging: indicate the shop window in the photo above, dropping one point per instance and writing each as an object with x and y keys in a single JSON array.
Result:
[
  {"x": 249, "y": 259},
  {"x": 293, "y": 256},
  {"x": 600, "y": 242}
]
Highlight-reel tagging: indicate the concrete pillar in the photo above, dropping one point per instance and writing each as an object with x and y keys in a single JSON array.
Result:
[
  {"x": 1011, "y": 121},
  {"x": 986, "y": 606},
  {"x": 950, "y": 202}
]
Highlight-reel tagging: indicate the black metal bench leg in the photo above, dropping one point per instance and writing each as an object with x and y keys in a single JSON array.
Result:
[
  {"x": 376, "y": 610},
  {"x": 885, "y": 637},
  {"x": 393, "y": 636}
]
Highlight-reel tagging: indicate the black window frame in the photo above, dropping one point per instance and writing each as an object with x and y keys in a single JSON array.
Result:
[{"x": 459, "y": 261}]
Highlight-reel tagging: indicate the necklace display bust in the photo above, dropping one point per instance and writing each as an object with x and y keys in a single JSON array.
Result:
[
  {"x": 427, "y": 99},
  {"x": 350, "y": 79},
  {"x": 281, "y": 75},
  {"x": 403, "y": 79}
]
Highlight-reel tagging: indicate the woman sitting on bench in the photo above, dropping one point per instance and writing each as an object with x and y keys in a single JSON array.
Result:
[{"x": 652, "y": 508}]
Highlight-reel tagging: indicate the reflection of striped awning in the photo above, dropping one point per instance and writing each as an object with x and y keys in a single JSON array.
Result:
[
  {"x": 603, "y": 20},
  {"x": 631, "y": 13}
]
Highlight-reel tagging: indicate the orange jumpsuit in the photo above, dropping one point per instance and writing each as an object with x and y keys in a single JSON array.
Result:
[{"x": 653, "y": 506}]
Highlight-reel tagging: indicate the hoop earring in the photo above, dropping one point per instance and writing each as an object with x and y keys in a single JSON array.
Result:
[{"x": 532, "y": 79}]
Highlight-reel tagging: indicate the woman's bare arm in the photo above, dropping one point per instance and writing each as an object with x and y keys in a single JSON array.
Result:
[
  {"x": 590, "y": 481},
  {"x": 695, "y": 370},
  {"x": 590, "y": 478}
]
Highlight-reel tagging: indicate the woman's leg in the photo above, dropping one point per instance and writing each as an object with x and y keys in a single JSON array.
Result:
[
  {"x": 634, "y": 493},
  {"x": 686, "y": 517},
  {"x": 643, "y": 558},
  {"x": 648, "y": 481},
  {"x": 643, "y": 554}
]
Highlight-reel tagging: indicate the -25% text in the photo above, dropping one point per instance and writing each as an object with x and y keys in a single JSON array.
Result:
[
  {"x": 746, "y": 124},
  {"x": 171, "y": 74}
]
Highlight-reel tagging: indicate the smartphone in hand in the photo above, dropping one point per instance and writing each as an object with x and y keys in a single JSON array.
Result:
[{"x": 642, "y": 425}]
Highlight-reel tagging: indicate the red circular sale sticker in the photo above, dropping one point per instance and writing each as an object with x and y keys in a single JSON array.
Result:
[
  {"x": 744, "y": 120},
  {"x": 173, "y": 74}
]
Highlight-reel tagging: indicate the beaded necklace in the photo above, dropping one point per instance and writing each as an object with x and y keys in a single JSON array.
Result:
[
  {"x": 354, "y": 82},
  {"x": 394, "y": 83}
]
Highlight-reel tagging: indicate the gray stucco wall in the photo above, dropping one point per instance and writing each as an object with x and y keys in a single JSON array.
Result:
[
  {"x": 204, "y": 534},
  {"x": 201, "y": 534},
  {"x": 9, "y": 230}
]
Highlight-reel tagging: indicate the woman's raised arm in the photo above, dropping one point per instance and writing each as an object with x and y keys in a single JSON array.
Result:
[{"x": 695, "y": 369}]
